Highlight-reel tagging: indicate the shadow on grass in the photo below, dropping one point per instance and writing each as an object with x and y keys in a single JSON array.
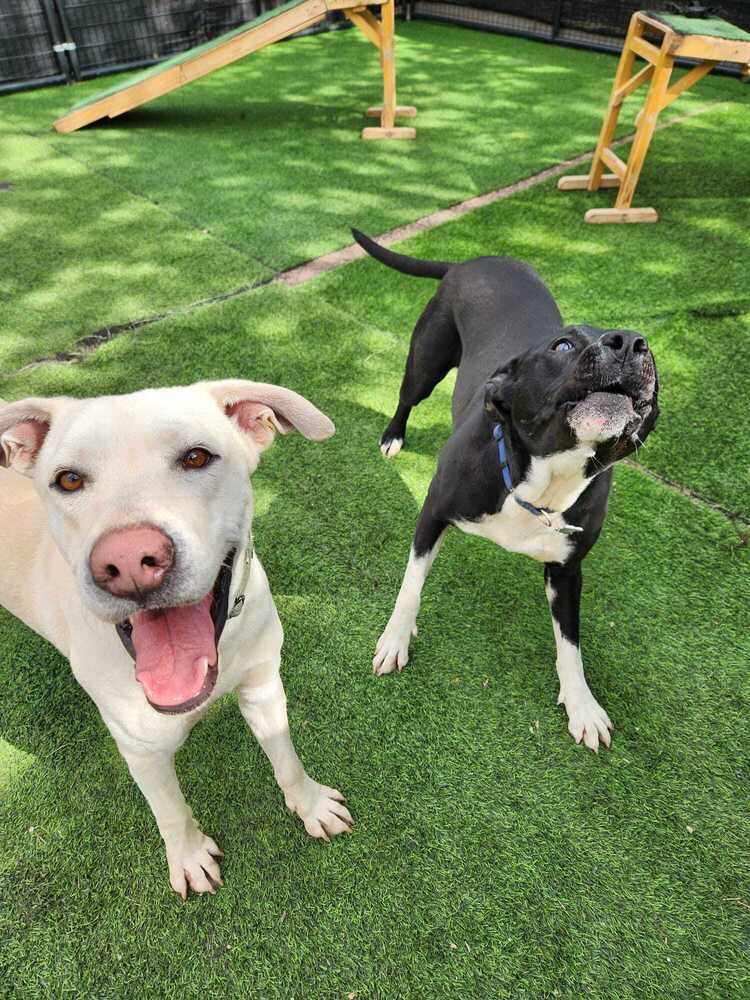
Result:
[
  {"x": 80, "y": 253},
  {"x": 267, "y": 152}
]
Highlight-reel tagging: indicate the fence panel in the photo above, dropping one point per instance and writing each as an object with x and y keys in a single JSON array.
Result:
[{"x": 28, "y": 34}]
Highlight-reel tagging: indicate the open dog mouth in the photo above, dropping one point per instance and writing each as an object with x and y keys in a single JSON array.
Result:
[
  {"x": 176, "y": 649},
  {"x": 633, "y": 395},
  {"x": 609, "y": 411}
]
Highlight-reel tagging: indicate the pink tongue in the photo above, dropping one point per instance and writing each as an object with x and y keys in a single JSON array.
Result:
[{"x": 173, "y": 650}]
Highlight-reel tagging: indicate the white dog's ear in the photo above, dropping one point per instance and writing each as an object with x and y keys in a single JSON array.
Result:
[
  {"x": 262, "y": 410},
  {"x": 23, "y": 429}
]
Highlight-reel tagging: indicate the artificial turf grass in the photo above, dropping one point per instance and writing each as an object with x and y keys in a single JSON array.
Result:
[
  {"x": 267, "y": 153},
  {"x": 81, "y": 253},
  {"x": 479, "y": 823},
  {"x": 682, "y": 282},
  {"x": 225, "y": 202},
  {"x": 560, "y": 871}
]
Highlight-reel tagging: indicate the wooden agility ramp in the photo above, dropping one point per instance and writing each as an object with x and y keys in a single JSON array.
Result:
[
  {"x": 289, "y": 18},
  {"x": 706, "y": 41}
]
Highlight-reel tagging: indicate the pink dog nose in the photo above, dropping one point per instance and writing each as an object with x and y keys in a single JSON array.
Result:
[{"x": 133, "y": 561}]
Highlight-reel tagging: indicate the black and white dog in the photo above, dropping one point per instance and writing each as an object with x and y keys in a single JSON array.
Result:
[{"x": 541, "y": 412}]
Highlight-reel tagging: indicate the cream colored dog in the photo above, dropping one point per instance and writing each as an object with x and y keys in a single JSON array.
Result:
[{"x": 128, "y": 547}]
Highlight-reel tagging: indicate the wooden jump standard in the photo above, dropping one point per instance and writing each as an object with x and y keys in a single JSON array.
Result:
[
  {"x": 293, "y": 16},
  {"x": 711, "y": 41}
]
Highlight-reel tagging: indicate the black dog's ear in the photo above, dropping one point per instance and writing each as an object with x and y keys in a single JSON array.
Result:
[{"x": 498, "y": 392}]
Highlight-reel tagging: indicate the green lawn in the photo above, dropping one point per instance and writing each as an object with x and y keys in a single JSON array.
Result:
[
  {"x": 491, "y": 856},
  {"x": 259, "y": 167}
]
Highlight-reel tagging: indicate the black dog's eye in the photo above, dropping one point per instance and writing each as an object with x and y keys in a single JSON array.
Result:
[
  {"x": 196, "y": 458},
  {"x": 563, "y": 345}
]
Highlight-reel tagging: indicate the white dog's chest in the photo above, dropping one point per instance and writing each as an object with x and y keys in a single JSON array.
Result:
[{"x": 554, "y": 482}]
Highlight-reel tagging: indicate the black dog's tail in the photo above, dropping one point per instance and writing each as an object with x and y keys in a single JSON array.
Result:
[{"x": 399, "y": 261}]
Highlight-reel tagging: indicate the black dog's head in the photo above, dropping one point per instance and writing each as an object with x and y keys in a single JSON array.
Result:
[{"x": 585, "y": 386}]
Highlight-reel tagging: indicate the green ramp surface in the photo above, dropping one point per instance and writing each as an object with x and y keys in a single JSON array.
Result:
[
  {"x": 715, "y": 27},
  {"x": 131, "y": 80}
]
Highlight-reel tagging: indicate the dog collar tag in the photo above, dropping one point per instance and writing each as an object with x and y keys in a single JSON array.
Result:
[
  {"x": 543, "y": 513},
  {"x": 237, "y": 606},
  {"x": 240, "y": 598},
  {"x": 569, "y": 529}
]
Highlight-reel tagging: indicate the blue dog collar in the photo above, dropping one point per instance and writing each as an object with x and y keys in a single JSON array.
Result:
[{"x": 543, "y": 513}]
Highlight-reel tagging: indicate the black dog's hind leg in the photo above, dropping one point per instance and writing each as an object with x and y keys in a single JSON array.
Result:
[
  {"x": 392, "y": 649},
  {"x": 435, "y": 348},
  {"x": 587, "y": 720}
]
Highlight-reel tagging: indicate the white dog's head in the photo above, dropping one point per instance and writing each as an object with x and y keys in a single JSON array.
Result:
[{"x": 147, "y": 497}]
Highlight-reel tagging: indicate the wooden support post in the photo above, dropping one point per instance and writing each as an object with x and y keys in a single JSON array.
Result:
[
  {"x": 622, "y": 76},
  {"x": 654, "y": 103},
  {"x": 387, "y": 38},
  {"x": 581, "y": 182},
  {"x": 685, "y": 82},
  {"x": 389, "y": 109},
  {"x": 367, "y": 24}
]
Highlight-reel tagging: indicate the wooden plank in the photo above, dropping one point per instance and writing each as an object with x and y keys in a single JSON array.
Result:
[
  {"x": 388, "y": 64},
  {"x": 623, "y": 73},
  {"x": 705, "y": 47},
  {"x": 615, "y": 164},
  {"x": 691, "y": 77},
  {"x": 580, "y": 182},
  {"x": 352, "y": 4},
  {"x": 600, "y": 215},
  {"x": 644, "y": 134},
  {"x": 645, "y": 49},
  {"x": 118, "y": 104},
  {"x": 187, "y": 69},
  {"x": 402, "y": 111},
  {"x": 256, "y": 38},
  {"x": 395, "y": 132},
  {"x": 367, "y": 24},
  {"x": 633, "y": 84}
]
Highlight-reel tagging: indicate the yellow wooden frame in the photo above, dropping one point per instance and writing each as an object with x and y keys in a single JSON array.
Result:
[
  {"x": 657, "y": 72},
  {"x": 380, "y": 31}
]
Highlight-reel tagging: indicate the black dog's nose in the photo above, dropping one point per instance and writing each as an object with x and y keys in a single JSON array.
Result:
[{"x": 623, "y": 343}]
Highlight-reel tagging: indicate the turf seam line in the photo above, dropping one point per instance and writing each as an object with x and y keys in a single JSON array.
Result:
[
  {"x": 320, "y": 265},
  {"x": 88, "y": 344},
  {"x": 181, "y": 218},
  {"x": 302, "y": 273},
  {"x": 698, "y": 499}
]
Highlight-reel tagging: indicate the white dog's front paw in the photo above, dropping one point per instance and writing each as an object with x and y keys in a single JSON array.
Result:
[
  {"x": 392, "y": 649},
  {"x": 320, "y": 808},
  {"x": 192, "y": 864},
  {"x": 587, "y": 720}
]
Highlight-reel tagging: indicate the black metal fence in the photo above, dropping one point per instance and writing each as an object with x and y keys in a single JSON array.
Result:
[
  {"x": 57, "y": 41},
  {"x": 588, "y": 24}
]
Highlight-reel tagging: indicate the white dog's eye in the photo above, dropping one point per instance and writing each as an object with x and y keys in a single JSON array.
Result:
[
  {"x": 196, "y": 458},
  {"x": 68, "y": 481},
  {"x": 563, "y": 345}
]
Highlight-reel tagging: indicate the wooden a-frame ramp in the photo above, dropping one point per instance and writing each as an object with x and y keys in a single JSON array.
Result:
[{"x": 293, "y": 16}]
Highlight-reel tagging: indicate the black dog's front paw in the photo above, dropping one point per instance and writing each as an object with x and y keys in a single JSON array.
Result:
[{"x": 391, "y": 443}]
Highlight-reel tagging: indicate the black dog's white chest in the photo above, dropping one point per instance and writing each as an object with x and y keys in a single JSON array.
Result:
[{"x": 554, "y": 482}]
